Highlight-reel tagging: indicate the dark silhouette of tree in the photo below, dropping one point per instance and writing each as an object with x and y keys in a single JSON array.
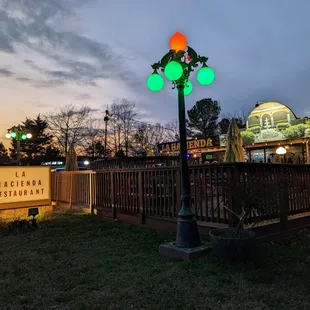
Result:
[
  {"x": 93, "y": 143},
  {"x": 224, "y": 125},
  {"x": 172, "y": 131},
  {"x": 51, "y": 153},
  {"x": 203, "y": 117},
  {"x": 146, "y": 138},
  {"x": 120, "y": 154},
  {"x": 122, "y": 124},
  {"x": 35, "y": 148},
  {"x": 95, "y": 149},
  {"x": 67, "y": 124},
  {"x": 39, "y": 147},
  {"x": 239, "y": 116},
  {"x": 3, "y": 154}
]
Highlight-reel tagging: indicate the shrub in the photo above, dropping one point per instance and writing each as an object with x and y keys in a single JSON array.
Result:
[
  {"x": 248, "y": 137},
  {"x": 17, "y": 227},
  {"x": 255, "y": 129},
  {"x": 307, "y": 133},
  {"x": 296, "y": 131},
  {"x": 281, "y": 126}
]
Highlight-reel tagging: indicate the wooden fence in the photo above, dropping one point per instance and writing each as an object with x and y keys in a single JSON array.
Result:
[
  {"x": 273, "y": 191},
  {"x": 135, "y": 162}
]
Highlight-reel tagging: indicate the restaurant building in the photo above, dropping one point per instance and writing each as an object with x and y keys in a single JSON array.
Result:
[{"x": 270, "y": 125}]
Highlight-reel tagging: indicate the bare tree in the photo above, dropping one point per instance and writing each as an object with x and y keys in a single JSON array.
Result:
[
  {"x": 114, "y": 129},
  {"x": 124, "y": 114},
  {"x": 172, "y": 130},
  {"x": 67, "y": 124},
  {"x": 239, "y": 116},
  {"x": 93, "y": 142},
  {"x": 146, "y": 138}
]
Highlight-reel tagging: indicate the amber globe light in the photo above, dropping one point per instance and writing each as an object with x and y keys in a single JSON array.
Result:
[{"x": 178, "y": 42}]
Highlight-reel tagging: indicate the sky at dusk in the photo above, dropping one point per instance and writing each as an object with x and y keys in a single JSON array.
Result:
[{"x": 59, "y": 52}]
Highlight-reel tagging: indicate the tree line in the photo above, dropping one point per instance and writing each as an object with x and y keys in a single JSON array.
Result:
[{"x": 127, "y": 135}]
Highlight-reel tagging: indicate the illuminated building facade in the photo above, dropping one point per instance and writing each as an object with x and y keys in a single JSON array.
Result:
[{"x": 269, "y": 126}]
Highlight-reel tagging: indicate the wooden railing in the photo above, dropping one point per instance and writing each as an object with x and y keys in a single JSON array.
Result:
[
  {"x": 272, "y": 191},
  {"x": 135, "y": 162}
]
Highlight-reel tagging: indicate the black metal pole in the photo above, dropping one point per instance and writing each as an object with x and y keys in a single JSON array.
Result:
[
  {"x": 119, "y": 138},
  {"x": 187, "y": 230},
  {"x": 126, "y": 145},
  {"x": 18, "y": 152},
  {"x": 105, "y": 138}
]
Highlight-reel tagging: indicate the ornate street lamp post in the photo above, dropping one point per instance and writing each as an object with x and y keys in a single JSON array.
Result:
[
  {"x": 18, "y": 133},
  {"x": 177, "y": 66}
]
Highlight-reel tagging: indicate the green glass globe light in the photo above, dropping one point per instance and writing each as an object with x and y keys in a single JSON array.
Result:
[
  {"x": 205, "y": 76},
  {"x": 13, "y": 134},
  {"x": 188, "y": 88},
  {"x": 24, "y": 137},
  {"x": 173, "y": 71},
  {"x": 155, "y": 82}
]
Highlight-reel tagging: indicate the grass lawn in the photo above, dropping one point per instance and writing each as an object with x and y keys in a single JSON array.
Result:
[{"x": 84, "y": 262}]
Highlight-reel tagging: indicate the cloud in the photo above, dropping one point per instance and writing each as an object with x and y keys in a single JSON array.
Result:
[
  {"x": 29, "y": 62},
  {"x": 23, "y": 79},
  {"x": 5, "y": 72},
  {"x": 5, "y": 44},
  {"x": 83, "y": 97},
  {"x": 43, "y": 105},
  {"x": 34, "y": 24}
]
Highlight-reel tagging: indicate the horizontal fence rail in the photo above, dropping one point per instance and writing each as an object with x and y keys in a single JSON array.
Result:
[
  {"x": 217, "y": 191},
  {"x": 135, "y": 162}
]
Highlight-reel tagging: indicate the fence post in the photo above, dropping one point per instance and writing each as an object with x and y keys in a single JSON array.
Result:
[
  {"x": 90, "y": 193},
  {"x": 70, "y": 192},
  {"x": 140, "y": 195},
  {"x": 230, "y": 200},
  {"x": 178, "y": 191},
  {"x": 112, "y": 195},
  {"x": 284, "y": 203},
  {"x": 57, "y": 188}
]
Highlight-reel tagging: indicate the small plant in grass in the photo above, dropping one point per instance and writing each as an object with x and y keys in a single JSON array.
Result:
[{"x": 17, "y": 227}]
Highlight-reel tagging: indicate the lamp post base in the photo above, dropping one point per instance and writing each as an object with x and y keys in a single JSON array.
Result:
[
  {"x": 172, "y": 251},
  {"x": 187, "y": 233},
  {"x": 187, "y": 245}
]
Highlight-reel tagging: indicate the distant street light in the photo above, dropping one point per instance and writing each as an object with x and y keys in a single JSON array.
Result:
[
  {"x": 177, "y": 66},
  {"x": 18, "y": 133}
]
